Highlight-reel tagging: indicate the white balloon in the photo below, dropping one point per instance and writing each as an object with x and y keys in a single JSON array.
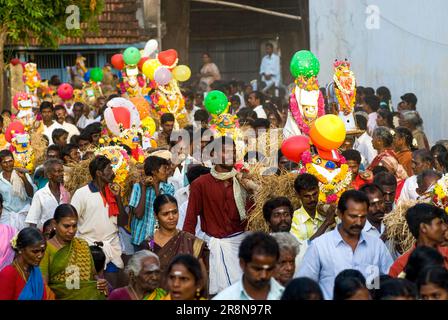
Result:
[{"x": 150, "y": 47}]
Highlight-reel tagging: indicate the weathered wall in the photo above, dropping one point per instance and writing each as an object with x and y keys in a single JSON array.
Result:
[{"x": 407, "y": 53}]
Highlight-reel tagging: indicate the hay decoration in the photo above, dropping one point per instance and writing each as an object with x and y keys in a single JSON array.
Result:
[
  {"x": 77, "y": 176},
  {"x": 135, "y": 174},
  {"x": 39, "y": 147},
  {"x": 272, "y": 186},
  {"x": 397, "y": 230}
]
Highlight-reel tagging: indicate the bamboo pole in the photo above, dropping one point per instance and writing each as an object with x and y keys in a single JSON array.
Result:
[{"x": 250, "y": 8}]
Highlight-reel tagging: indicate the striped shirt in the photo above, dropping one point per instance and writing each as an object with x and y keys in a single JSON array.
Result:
[{"x": 144, "y": 227}]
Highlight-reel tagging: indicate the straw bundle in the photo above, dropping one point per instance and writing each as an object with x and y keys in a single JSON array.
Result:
[
  {"x": 78, "y": 176},
  {"x": 39, "y": 147}
]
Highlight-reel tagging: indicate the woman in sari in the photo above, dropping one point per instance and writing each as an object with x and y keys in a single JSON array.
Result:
[
  {"x": 209, "y": 72},
  {"x": 143, "y": 270},
  {"x": 168, "y": 241},
  {"x": 6, "y": 234},
  {"x": 185, "y": 279},
  {"x": 68, "y": 260},
  {"x": 22, "y": 280}
]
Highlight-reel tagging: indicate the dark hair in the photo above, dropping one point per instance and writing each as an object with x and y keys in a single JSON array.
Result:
[
  {"x": 405, "y": 133},
  {"x": 420, "y": 258},
  {"x": 302, "y": 289},
  {"x": 201, "y": 115},
  {"x": 268, "y": 44},
  {"x": 385, "y": 93},
  {"x": 429, "y": 173},
  {"x": 235, "y": 98},
  {"x": 385, "y": 179},
  {"x": 352, "y": 155},
  {"x": 59, "y": 107},
  {"x": 261, "y": 123},
  {"x": 54, "y": 147},
  {"x": 166, "y": 117},
  {"x": 57, "y": 134},
  {"x": 195, "y": 172},
  {"x": 258, "y": 95},
  {"x": 271, "y": 108},
  {"x": 369, "y": 91},
  {"x": 191, "y": 263},
  {"x": 91, "y": 129},
  {"x": 274, "y": 203},
  {"x": 305, "y": 181},
  {"x": 153, "y": 163},
  {"x": 1, "y": 200},
  {"x": 370, "y": 188},
  {"x": 99, "y": 163},
  {"x": 63, "y": 211},
  {"x": 85, "y": 137},
  {"x": 5, "y": 153},
  {"x": 437, "y": 275},
  {"x": 361, "y": 121},
  {"x": 28, "y": 237},
  {"x": 379, "y": 169},
  {"x": 188, "y": 94},
  {"x": 347, "y": 283},
  {"x": 258, "y": 243},
  {"x": 354, "y": 195},
  {"x": 437, "y": 149},
  {"x": 162, "y": 199},
  {"x": 47, "y": 224},
  {"x": 372, "y": 101},
  {"x": 424, "y": 155},
  {"x": 422, "y": 213},
  {"x": 386, "y": 114},
  {"x": 67, "y": 149},
  {"x": 395, "y": 287},
  {"x": 99, "y": 258},
  {"x": 45, "y": 105}
]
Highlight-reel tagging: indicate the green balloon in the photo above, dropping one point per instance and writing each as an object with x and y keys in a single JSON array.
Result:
[
  {"x": 96, "y": 74},
  {"x": 216, "y": 102},
  {"x": 131, "y": 55},
  {"x": 304, "y": 63}
]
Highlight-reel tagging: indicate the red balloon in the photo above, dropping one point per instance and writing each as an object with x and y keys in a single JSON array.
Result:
[
  {"x": 168, "y": 58},
  {"x": 293, "y": 147},
  {"x": 15, "y": 126},
  {"x": 65, "y": 91},
  {"x": 141, "y": 62},
  {"x": 117, "y": 61},
  {"x": 123, "y": 116},
  {"x": 15, "y": 61}
]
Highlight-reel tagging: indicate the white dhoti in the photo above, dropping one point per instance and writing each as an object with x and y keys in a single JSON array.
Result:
[
  {"x": 15, "y": 219},
  {"x": 224, "y": 262}
]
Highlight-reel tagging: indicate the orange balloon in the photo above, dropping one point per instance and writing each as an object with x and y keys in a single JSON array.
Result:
[
  {"x": 142, "y": 106},
  {"x": 328, "y": 132}
]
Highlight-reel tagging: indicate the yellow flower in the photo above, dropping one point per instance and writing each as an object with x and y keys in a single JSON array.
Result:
[{"x": 14, "y": 242}]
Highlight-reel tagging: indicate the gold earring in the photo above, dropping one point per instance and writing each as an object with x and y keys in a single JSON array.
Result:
[{"x": 198, "y": 293}]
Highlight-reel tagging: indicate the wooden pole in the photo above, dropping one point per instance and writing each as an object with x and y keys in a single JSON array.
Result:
[{"x": 250, "y": 8}]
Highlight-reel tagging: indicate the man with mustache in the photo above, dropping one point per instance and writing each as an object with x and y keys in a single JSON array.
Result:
[
  {"x": 374, "y": 223},
  {"x": 277, "y": 213},
  {"x": 346, "y": 247},
  {"x": 258, "y": 254}
]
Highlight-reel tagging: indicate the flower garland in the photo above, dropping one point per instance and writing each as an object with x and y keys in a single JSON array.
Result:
[
  {"x": 295, "y": 111},
  {"x": 440, "y": 193}
]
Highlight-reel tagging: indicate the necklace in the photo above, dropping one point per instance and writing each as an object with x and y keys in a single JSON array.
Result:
[
  {"x": 23, "y": 273},
  {"x": 134, "y": 293}
]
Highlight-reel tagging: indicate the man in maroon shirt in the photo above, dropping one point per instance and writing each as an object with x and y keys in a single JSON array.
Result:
[{"x": 220, "y": 201}]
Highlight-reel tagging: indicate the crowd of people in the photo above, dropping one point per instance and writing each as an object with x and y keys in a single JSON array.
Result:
[{"x": 182, "y": 233}]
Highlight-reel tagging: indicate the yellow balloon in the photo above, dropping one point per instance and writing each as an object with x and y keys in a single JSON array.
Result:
[
  {"x": 149, "y": 125},
  {"x": 150, "y": 67},
  {"x": 181, "y": 73}
]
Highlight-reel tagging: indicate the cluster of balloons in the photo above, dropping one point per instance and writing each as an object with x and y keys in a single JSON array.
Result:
[
  {"x": 216, "y": 102},
  {"x": 162, "y": 68},
  {"x": 304, "y": 63},
  {"x": 94, "y": 74}
]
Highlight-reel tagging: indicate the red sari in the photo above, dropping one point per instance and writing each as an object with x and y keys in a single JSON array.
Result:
[{"x": 12, "y": 284}]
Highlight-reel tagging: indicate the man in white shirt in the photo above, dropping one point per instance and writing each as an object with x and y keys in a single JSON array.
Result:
[
  {"x": 270, "y": 68},
  {"x": 80, "y": 119},
  {"x": 371, "y": 105},
  {"x": 190, "y": 107},
  {"x": 258, "y": 254},
  {"x": 60, "y": 114},
  {"x": 255, "y": 101},
  {"x": 421, "y": 160},
  {"x": 47, "y": 199},
  {"x": 363, "y": 143},
  {"x": 374, "y": 224}
]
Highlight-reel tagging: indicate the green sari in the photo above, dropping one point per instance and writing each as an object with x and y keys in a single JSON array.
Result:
[{"x": 71, "y": 272}]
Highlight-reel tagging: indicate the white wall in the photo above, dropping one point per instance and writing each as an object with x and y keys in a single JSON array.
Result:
[{"x": 407, "y": 53}]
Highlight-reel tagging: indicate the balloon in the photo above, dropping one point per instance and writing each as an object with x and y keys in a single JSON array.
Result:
[
  {"x": 15, "y": 61},
  {"x": 216, "y": 102},
  {"x": 96, "y": 74},
  {"x": 181, "y": 73},
  {"x": 141, "y": 62},
  {"x": 142, "y": 106},
  {"x": 65, "y": 91},
  {"x": 149, "y": 125},
  {"x": 328, "y": 132},
  {"x": 123, "y": 116},
  {"x": 150, "y": 47},
  {"x": 304, "y": 63},
  {"x": 87, "y": 76},
  {"x": 293, "y": 147},
  {"x": 131, "y": 55},
  {"x": 117, "y": 61},
  {"x": 162, "y": 76},
  {"x": 149, "y": 68},
  {"x": 168, "y": 58},
  {"x": 15, "y": 126}
]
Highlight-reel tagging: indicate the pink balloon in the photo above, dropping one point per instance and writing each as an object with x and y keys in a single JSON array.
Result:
[
  {"x": 65, "y": 91},
  {"x": 162, "y": 76},
  {"x": 293, "y": 147}
]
